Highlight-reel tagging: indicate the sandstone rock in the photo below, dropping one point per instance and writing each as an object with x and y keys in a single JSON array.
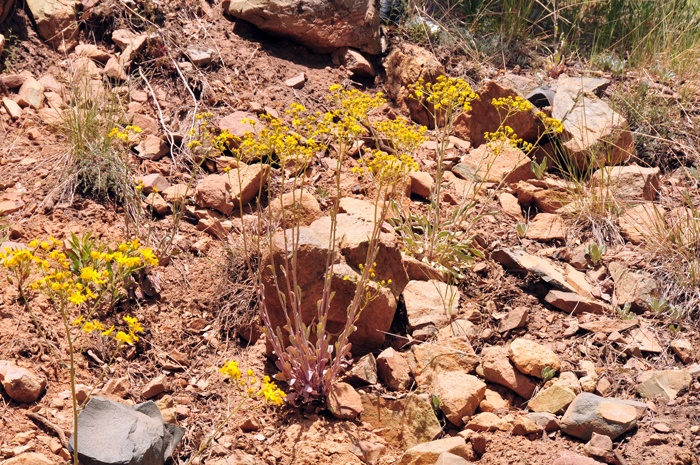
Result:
[
  {"x": 360, "y": 208},
  {"x": 627, "y": 182},
  {"x": 152, "y": 148},
  {"x": 166, "y": 405},
  {"x": 516, "y": 318},
  {"x": 29, "y": 458},
  {"x": 299, "y": 208},
  {"x": 642, "y": 222},
  {"x": 296, "y": 82},
  {"x": 448, "y": 458},
  {"x": 566, "y": 457},
  {"x": 157, "y": 203},
  {"x": 511, "y": 165},
  {"x": 417, "y": 270},
  {"x": 684, "y": 350},
  {"x": 154, "y": 387},
  {"x": 546, "y": 227},
  {"x": 214, "y": 191},
  {"x": 547, "y": 421},
  {"x": 152, "y": 182},
  {"x": 509, "y": 204},
  {"x": 321, "y": 25},
  {"x": 364, "y": 371},
  {"x": 393, "y": 370},
  {"x": 20, "y": 384},
  {"x": 645, "y": 341},
  {"x": 14, "y": 110},
  {"x": 487, "y": 421},
  {"x": 608, "y": 326},
  {"x": 15, "y": 81},
  {"x": 459, "y": 394},
  {"x": 118, "y": 387},
  {"x": 593, "y": 132},
  {"x": 56, "y": 22},
  {"x": 590, "y": 414},
  {"x": 114, "y": 70},
  {"x": 176, "y": 193},
  {"x": 600, "y": 447},
  {"x": 496, "y": 397},
  {"x": 572, "y": 303},
  {"x": 634, "y": 287},
  {"x": 566, "y": 279},
  {"x": 234, "y": 124},
  {"x": 312, "y": 255},
  {"x": 428, "y": 453},
  {"x": 426, "y": 361},
  {"x": 344, "y": 402},
  {"x": 252, "y": 179},
  {"x": 484, "y": 117},
  {"x": 524, "y": 426},
  {"x": 430, "y": 302},
  {"x": 496, "y": 368},
  {"x": 404, "y": 422},
  {"x": 8, "y": 207},
  {"x": 590, "y": 381},
  {"x": 370, "y": 452},
  {"x": 531, "y": 358},
  {"x": 123, "y": 38},
  {"x": 405, "y": 65},
  {"x": 421, "y": 183},
  {"x": 553, "y": 399},
  {"x": 199, "y": 57},
  {"x": 31, "y": 94},
  {"x": 354, "y": 62},
  {"x": 460, "y": 327},
  {"x": 666, "y": 383},
  {"x": 146, "y": 123},
  {"x": 91, "y": 51}
]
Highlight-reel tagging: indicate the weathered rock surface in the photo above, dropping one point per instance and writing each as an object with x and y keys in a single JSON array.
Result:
[
  {"x": 344, "y": 402},
  {"x": 640, "y": 223},
  {"x": 570, "y": 302},
  {"x": 665, "y": 383},
  {"x": 113, "y": 433},
  {"x": 627, "y": 182},
  {"x": 354, "y": 62},
  {"x": 487, "y": 421},
  {"x": 683, "y": 348},
  {"x": 429, "y": 452},
  {"x": 297, "y": 208},
  {"x": 405, "y": 65},
  {"x": 590, "y": 414},
  {"x": 363, "y": 371},
  {"x": 511, "y": 165},
  {"x": 31, "y": 94},
  {"x": 546, "y": 227},
  {"x": 426, "y": 361},
  {"x": 20, "y": 384},
  {"x": 593, "y": 132},
  {"x": 496, "y": 368},
  {"x": 29, "y": 458},
  {"x": 553, "y": 399},
  {"x": 393, "y": 370},
  {"x": 56, "y": 22},
  {"x": 459, "y": 394},
  {"x": 404, "y": 422},
  {"x": 634, "y": 287},
  {"x": 321, "y": 25},
  {"x": 531, "y": 358},
  {"x": 566, "y": 457},
  {"x": 516, "y": 318},
  {"x": 430, "y": 302},
  {"x": 484, "y": 117},
  {"x": 547, "y": 421}
]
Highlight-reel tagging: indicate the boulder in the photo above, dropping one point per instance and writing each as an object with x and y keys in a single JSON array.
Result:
[
  {"x": 522, "y": 426},
  {"x": 459, "y": 394},
  {"x": 344, "y": 402},
  {"x": 321, "y": 25},
  {"x": 430, "y": 302},
  {"x": 589, "y": 414},
  {"x": 153, "y": 182},
  {"x": 114, "y": 70},
  {"x": 510, "y": 206},
  {"x": 496, "y": 397},
  {"x": 546, "y": 227},
  {"x": 20, "y": 384},
  {"x": 627, "y": 182},
  {"x": 113, "y": 433},
  {"x": 405, "y": 65},
  {"x": 531, "y": 358},
  {"x": 393, "y": 370},
  {"x": 510, "y": 165},
  {"x": 643, "y": 222},
  {"x": 547, "y": 421},
  {"x": 152, "y": 148},
  {"x": 403, "y": 423},
  {"x": 484, "y": 117},
  {"x": 553, "y": 399},
  {"x": 665, "y": 383},
  {"x": 295, "y": 208},
  {"x": 487, "y": 421},
  {"x": 496, "y": 368},
  {"x": 56, "y": 22},
  {"x": 252, "y": 179},
  {"x": 429, "y": 452},
  {"x": 426, "y": 361},
  {"x": 448, "y": 458},
  {"x": 594, "y": 134},
  {"x": 421, "y": 183},
  {"x": 363, "y": 371},
  {"x": 233, "y": 123},
  {"x": 600, "y": 447}
]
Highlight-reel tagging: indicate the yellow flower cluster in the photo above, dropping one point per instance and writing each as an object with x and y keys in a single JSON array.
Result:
[
  {"x": 505, "y": 135},
  {"x": 205, "y": 136},
  {"x": 126, "y": 135},
  {"x": 511, "y": 104},
  {"x": 552, "y": 125},
  {"x": 122, "y": 337},
  {"x": 385, "y": 168},
  {"x": 403, "y": 137},
  {"x": 449, "y": 94},
  {"x": 246, "y": 384}
]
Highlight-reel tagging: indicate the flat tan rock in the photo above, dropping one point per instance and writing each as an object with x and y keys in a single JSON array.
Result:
[{"x": 546, "y": 227}]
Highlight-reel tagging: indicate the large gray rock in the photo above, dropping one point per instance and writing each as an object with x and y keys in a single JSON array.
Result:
[
  {"x": 110, "y": 433},
  {"x": 594, "y": 134},
  {"x": 322, "y": 25},
  {"x": 590, "y": 414}
]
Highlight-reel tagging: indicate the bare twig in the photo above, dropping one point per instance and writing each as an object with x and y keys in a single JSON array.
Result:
[{"x": 56, "y": 429}]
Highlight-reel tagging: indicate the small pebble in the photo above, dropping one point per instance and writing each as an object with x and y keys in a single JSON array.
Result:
[{"x": 662, "y": 427}]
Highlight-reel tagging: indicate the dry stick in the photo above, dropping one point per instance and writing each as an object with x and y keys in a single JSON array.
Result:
[{"x": 56, "y": 429}]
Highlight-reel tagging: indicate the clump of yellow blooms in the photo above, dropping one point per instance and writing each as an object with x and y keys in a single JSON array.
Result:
[
  {"x": 246, "y": 383},
  {"x": 127, "y": 135},
  {"x": 450, "y": 94},
  {"x": 552, "y": 125},
  {"x": 386, "y": 169},
  {"x": 205, "y": 138}
]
